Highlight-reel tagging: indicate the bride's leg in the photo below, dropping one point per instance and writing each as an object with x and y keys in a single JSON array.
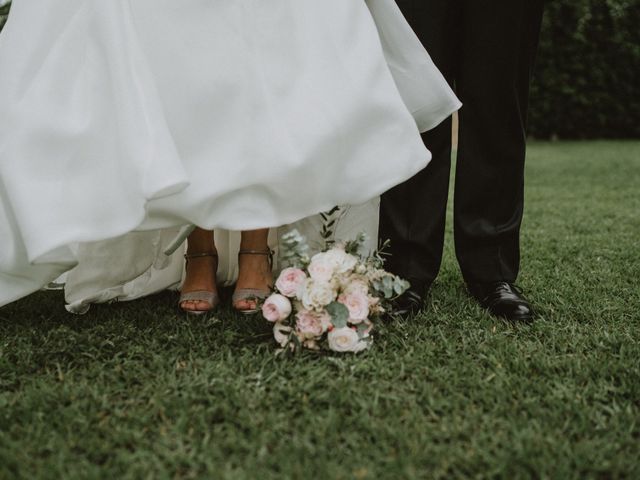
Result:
[
  {"x": 202, "y": 263},
  {"x": 255, "y": 278}
]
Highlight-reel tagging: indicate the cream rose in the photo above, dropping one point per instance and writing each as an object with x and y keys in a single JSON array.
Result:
[
  {"x": 325, "y": 265},
  {"x": 276, "y": 308},
  {"x": 345, "y": 339},
  {"x": 290, "y": 281},
  {"x": 343, "y": 262},
  {"x": 315, "y": 295},
  {"x": 355, "y": 283},
  {"x": 322, "y": 267}
]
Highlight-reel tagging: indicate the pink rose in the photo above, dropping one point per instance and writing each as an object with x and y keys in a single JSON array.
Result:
[
  {"x": 276, "y": 308},
  {"x": 290, "y": 281},
  {"x": 357, "y": 302},
  {"x": 311, "y": 324}
]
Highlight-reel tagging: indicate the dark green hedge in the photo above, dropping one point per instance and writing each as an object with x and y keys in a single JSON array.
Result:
[{"x": 588, "y": 70}]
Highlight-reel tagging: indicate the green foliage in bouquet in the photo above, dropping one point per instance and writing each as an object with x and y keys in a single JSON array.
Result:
[
  {"x": 588, "y": 66},
  {"x": 295, "y": 250}
]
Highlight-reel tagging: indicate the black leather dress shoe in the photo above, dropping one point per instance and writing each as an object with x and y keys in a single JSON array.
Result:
[
  {"x": 502, "y": 299},
  {"x": 412, "y": 301},
  {"x": 409, "y": 303}
]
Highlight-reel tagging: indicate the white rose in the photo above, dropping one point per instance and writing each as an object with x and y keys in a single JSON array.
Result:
[
  {"x": 276, "y": 308},
  {"x": 322, "y": 267},
  {"x": 345, "y": 339},
  {"x": 343, "y": 262},
  {"x": 325, "y": 265},
  {"x": 317, "y": 295}
]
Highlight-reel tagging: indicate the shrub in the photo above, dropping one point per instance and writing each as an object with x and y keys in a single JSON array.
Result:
[{"x": 588, "y": 71}]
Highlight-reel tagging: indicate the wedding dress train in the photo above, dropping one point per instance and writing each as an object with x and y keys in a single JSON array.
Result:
[{"x": 123, "y": 121}]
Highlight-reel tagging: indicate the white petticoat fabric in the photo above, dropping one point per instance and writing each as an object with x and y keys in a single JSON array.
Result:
[{"x": 123, "y": 121}]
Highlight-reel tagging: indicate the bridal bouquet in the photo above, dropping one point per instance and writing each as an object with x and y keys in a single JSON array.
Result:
[{"x": 330, "y": 300}]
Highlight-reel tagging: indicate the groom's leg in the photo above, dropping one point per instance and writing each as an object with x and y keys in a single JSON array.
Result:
[
  {"x": 498, "y": 46},
  {"x": 413, "y": 214}
]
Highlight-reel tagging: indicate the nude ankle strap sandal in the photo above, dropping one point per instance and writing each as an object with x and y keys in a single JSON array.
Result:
[
  {"x": 252, "y": 293},
  {"x": 205, "y": 296}
]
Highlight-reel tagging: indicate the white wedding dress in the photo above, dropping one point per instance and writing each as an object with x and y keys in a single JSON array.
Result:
[{"x": 122, "y": 122}]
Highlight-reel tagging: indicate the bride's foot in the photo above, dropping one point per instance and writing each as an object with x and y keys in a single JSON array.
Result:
[
  {"x": 199, "y": 293},
  {"x": 255, "y": 279}
]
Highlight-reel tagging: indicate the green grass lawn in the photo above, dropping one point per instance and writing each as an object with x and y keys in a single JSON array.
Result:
[{"x": 135, "y": 391}]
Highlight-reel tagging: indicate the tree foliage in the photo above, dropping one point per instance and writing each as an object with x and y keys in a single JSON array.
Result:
[{"x": 588, "y": 71}]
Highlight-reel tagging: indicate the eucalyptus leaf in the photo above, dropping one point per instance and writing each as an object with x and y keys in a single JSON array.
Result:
[
  {"x": 362, "y": 329},
  {"x": 339, "y": 314},
  {"x": 388, "y": 287},
  {"x": 294, "y": 249},
  {"x": 400, "y": 286}
]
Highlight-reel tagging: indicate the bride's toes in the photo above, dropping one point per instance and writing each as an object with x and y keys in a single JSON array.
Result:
[
  {"x": 198, "y": 302},
  {"x": 195, "y": 306},
  {"x": 245, "y": 305}
]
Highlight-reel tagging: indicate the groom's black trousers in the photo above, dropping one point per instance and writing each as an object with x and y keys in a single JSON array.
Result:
[{"x": 486, "y": 50}]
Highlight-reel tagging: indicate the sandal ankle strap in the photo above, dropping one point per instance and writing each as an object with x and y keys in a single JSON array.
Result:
[
  {"x": 268, "y": 253},
  {"x": 187, "y": 256}
]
